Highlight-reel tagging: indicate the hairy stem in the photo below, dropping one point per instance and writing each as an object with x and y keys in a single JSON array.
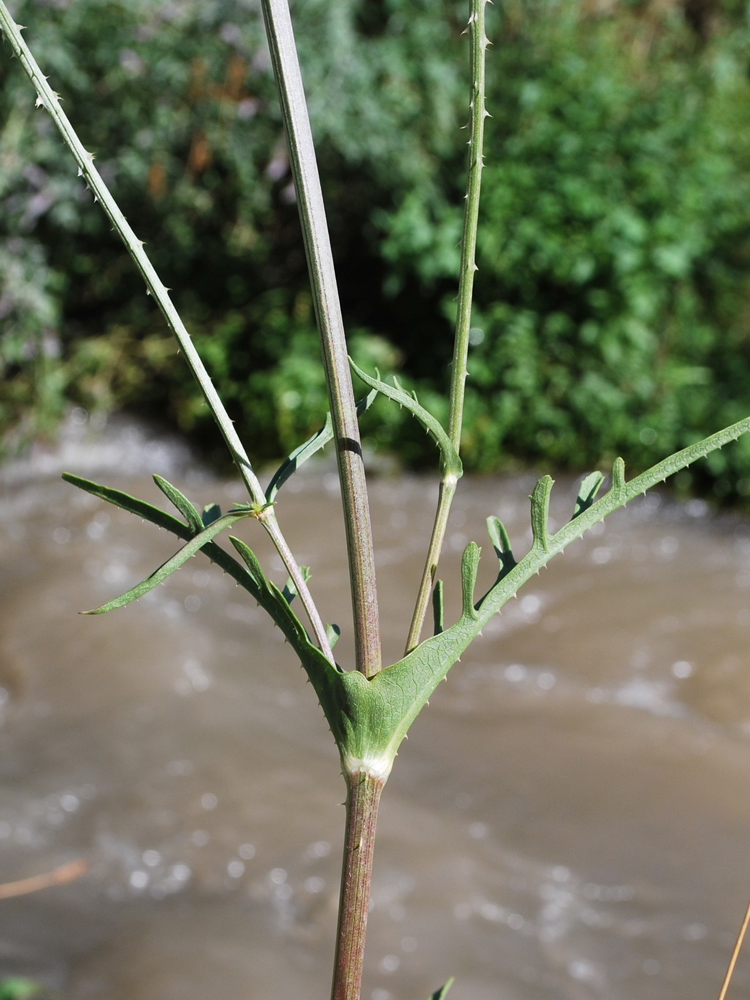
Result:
[
  {"x": 333, "y": 340},
  {"x": 478, "y": 46},
  {"x": 362, "y": 800},
  {"x": 49, "y": 100}
]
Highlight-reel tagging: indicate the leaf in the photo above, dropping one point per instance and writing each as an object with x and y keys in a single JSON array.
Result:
[
  {"x": 450, "y": 461},
  {"x": 587, "y": 492},
  {"x": 251, "y": 561},
  {"x": 163, "y": 520},
  {"x": 438, "y": 615},
  {"x": 134, "y": 506},
  {"x": 211, "y": 512},
  {"x": 618, "y": 474},
  {"x": 314, "y": 444},
  {"x": 440, "y": 994},
  {"x": 333, "y": 634},
  {"x": 195, "y": 544},
  {"x": 182, "y": 504},
  {"x": 370, "y": 718},
  {"x": 298, "y": 457},
  {"x": 469, "y": 569},
  {"x": 540, "y": 512},
  {"x": 290, "y": 590},
  {"x": 500, "y": 543}
]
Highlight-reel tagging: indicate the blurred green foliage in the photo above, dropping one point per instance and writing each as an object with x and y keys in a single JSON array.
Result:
[
  {"x": 19, "y": 988},
  {"x": 612, "y": 300}
]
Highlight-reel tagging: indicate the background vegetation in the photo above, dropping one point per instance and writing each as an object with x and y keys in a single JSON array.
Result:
[{"x": 613, "y": 297}]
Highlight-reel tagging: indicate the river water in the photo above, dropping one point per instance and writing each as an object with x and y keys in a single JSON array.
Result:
[{"x": 569, "y": 818}]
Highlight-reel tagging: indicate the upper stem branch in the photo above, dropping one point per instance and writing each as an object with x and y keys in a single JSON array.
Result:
[
  {"x": 333, "y": 340},
  {"x": 48, "y": 99},
  {"x": 478, "y": 45}
]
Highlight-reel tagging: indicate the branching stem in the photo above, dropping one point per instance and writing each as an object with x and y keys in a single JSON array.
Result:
[
  {"x": 478, "y": 47},
  {"x": 333, "y": 340},
  {"x": 49, "y": 100}
]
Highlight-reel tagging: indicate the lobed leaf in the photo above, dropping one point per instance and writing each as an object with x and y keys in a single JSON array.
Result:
[
  {"x": 195, "y": 544},
  {"x": 163, "y": 520},
  {"x": 450, "y": 461},
  {"x": 305, "y": 451},
  {"x": 131, "y": 504},
  {"x": 370, "y": 717},
  {"x": 540, "y": 512},
  {"x": 182, "y": 504},
  {"x": 469, "y": 570},
  {"x": 618, "y": 477},
  {"x": 587, "y": 492},
  {"x": 274, "y": 601},
  {"x": 501, "y": 543}
]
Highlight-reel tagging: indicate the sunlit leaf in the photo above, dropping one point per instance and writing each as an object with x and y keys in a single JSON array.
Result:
[
  {"x": 501, "y": 543},
  {"x": 449, "y": 456},
  {"x": 182, "y": 504},
  {"x": 587, "y": 492},
  {"x": 540, "y": 512},
  {"x": 305, "y": 451},
  {"x": 440, "y": 994},
  {"x": 195, "y": 544}
]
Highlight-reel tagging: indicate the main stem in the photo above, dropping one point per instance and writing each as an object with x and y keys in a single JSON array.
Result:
[
  {"x": 333, "y": 340},
  {"x": 363, "y": 797},
  {"x": 478, "y": 46}
]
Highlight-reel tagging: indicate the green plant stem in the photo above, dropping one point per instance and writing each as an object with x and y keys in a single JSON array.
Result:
[
  {"x": 48, "y": 99},
  {"x": 478, "y": 46},
  {"x": 270, "y": 523},
  {"x": 330, "y": 324},
  {"x": 362, "y": 800}
]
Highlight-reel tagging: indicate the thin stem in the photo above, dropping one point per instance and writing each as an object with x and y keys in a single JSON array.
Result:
[
  {"x": 48, "y": 99},
  {"x": 269, "y": 522},
  {"x": 735, "y": 954},
  {"x": 446, "y": 492},
  {"x": 333, "y": 340},
  {"x": 58, "y": 876},
  {"x": 362, "y": 800},
  {"x": 478, "y": 46}
]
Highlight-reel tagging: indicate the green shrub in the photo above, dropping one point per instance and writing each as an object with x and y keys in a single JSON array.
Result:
[
  {"x": 612, "y": 294},
  {"x": 178, "y": 101},
  {"x": 613, "y": 290}
]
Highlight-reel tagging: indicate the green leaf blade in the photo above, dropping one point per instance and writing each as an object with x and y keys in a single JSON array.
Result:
[
  {"x": 195, "y": 544},
  {"x": 309, "y": 448},
  {"x": 587, "y": 492},
  {"x": 500, "y": 543},
  {"x": 181, "y": 502},
  {"x": 449, "y": 456},
  {"x": 438, "y": 611},
  {"x": 298, "y": 457},
  {"x": 540, "y": 512},
  {"x": 131, "y": 504},
  {"x": 441, "y": 993}
]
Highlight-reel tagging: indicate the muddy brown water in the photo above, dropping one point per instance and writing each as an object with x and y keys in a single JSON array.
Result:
[{"x": 569, "y": 818}]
